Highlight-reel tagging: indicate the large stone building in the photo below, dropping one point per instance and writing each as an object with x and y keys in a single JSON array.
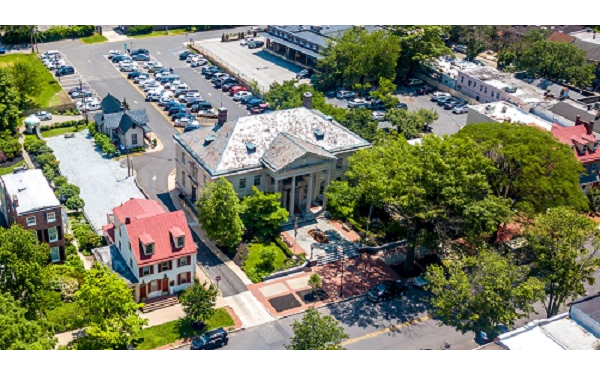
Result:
[
  {"x": 27, "y": 199},
  {"x": 296, "y": 152}
]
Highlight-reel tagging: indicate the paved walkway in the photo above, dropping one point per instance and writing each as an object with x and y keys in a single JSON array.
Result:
[
  {"x": 113, "y": 36},
  {"x": 250, "y": 311}
]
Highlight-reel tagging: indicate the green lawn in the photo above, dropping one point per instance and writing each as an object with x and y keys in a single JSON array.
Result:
[
  {"x": 252, "y": 264},
  {"x": 96, "y": 38},
  {"x": 8, "y": 170},
  {"x": 49, "y": 87},
  {"x": 162, "y": 33},
  {"x": 170, "y": 332},
  {"x": 60, "y": 131}
]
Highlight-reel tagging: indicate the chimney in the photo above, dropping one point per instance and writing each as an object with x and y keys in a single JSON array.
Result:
[
  {"x": 127, "y": 220},
  {"x": 577, "y": 120},
  {"x": 307, "y": 100},
  {"x": 589, "y": 127},
  {"x": 222, "y": 115}
]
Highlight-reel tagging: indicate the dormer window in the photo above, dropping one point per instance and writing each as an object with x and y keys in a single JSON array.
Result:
[
  {"x": 181, "y": 241},
  {"x": 149, "y": 249},
  {"x": 178, "y": 237}
]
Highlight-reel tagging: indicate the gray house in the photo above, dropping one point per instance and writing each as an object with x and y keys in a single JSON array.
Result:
[{"x": 127, "y": 127}]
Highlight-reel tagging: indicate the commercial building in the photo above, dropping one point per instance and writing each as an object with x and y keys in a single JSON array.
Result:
[{"x": 505, "y": 112}]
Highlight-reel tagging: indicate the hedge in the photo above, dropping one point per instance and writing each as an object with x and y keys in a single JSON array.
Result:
[
  {"x": 65, "y": 124},
  {"x": 284, "y": 247},
  {"x": 52, "y": 34},
  {"x": 140, "y": 29},
  {"x": 65, "y": 317}
]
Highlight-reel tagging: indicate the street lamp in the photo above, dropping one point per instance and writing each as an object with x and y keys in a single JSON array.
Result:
[{"x": 342, "y": 279}]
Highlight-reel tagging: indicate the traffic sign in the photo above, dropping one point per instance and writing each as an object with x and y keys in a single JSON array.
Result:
[{"x": 218, "y": 278}]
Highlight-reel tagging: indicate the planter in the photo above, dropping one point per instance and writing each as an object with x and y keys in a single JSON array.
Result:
[{"x": 318, "y": 235}]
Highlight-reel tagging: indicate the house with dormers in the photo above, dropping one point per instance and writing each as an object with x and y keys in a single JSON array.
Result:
[
  {"x": 584, "y": 141},
  {"x": 156, "y": 246},
  {"x": 124, "y": 126}
]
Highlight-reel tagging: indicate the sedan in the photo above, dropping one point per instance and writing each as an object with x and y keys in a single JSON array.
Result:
[
  {"x": 343, "y": 94},
  {"x": 386, "y": 290},
  {"x": 226, "y": 86},
  {"x": 210, "y": 113},
  {"x": 377, "y": 115},
  {"x": 198, "y": 62},
  {"x": 43, "y": 115},
  {"x": 184, "y": 55},
  {"x": 304, "y": 73},
  {"x": 247, "y": 99},
  {"x": 460, "y": 109},
  {"x": 81, "y": 94},
  {"x": 256, "y": 44},
  {"x": 141, "y": 57},
  {"x": 183, "y": 122},
  {"x": 254, "y": 103},
  {"x": 240, "y": 94},
  {"x": 358, "y": 103},
  {"x": 246, "y": 41}
]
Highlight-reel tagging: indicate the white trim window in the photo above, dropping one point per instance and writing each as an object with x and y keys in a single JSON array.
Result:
[
  {"x": 154, "y": 286},
  {"x": 31, "y": 221},
  {"x": 55, "y": 254},
  {"x": 134, "y": 139},
  {"x": 149, "y": 249},
  {"x": 183, "y": 278},
  {"x": 51, "y": 217},
  {"x": 180, "y": 242},
  {"x": 52, "y": 234},
  {"x": 146, "y": 271},
  {"x": 183, "y": 262}
]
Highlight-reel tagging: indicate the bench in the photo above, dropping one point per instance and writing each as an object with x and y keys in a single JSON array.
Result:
[{"x": 70, "y": 135}]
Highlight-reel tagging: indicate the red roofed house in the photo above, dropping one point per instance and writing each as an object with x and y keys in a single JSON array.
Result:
[
  {"x": 584, "y": 141},
  {"x": 157, "y": 246}
]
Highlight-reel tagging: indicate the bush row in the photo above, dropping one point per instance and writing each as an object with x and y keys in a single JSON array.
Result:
[
  {"x": 65, "y": 124},
  {"x": 22, "y": 35},
  {"x": 140, "y": 29},
  {"x": 9, "y": 146}
]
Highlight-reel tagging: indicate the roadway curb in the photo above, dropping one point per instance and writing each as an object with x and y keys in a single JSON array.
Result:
[{"x": 324, "y": 305}]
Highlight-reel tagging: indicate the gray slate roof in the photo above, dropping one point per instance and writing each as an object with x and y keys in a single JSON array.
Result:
[
  {"x": 570, "y": 112},
  {"x": 124, "y": 120},
  {"x": 228, "y": 152},
  {"x": 285, "y": 149},
  {"x": 110, "y": 104},
  {"x": 112, "y": 258},
  {"x": 592, "y": 50}
]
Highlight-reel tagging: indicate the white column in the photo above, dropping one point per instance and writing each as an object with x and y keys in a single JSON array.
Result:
[
  {"x": 309, "y": 192},
  {"x": 293, "y": 196},
  {"x": 327, "y": 177},
  {"x": 276, "y": 186}
]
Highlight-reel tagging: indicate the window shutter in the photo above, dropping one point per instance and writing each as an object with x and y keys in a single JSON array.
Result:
[
  {"x": 60, "y": 234},
  {"x": 152, "y": 269},
  {"x": 178, "y": 262},
  {"x": 179, "y": 279},
  {"x": 189, "y": 260},
  {"x": 189, "y": 277},
  {"x": 159, "y": 268},
  {"x": 141, "y": 272},
  {"x": 46, "y": 236},
  {"x": 170, "y": 265}
]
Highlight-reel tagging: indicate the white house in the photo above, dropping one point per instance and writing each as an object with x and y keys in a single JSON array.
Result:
[{"x": 156, "y": 245}]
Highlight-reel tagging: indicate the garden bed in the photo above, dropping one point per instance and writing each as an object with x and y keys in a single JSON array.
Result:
[
  {"x": 250, "y": 259},
  {"x": 309, "y": 297},
  {"x": 9, "y": 166}
]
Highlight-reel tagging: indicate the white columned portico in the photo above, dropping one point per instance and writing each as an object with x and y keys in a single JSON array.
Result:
[
  {"x": 309, "y": 192},
  {"x": 327, "y": 178},
  {"x": 293, "y": 196}
]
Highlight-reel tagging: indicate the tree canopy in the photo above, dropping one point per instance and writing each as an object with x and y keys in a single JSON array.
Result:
[
  {"x": 533, "y": 169},
  {"x": 419, "y": 43},
  {"x": 316, "y": 332},
  {"x": 476, "y": 293},
  {"x": 262, "y": 213},
  {"x": 199, "y": 301},
  {"x": 9, "y": 101},
  {"x": 110, "y": 313},
  {"x": 26, "y": 80},
  {"x": 23, "y": 274},
  {"x": 411, "y": 123},
  {"x": 564, "y": 244},
  {"x": 219, "y": 212},
  {"x": 17, "y": 332}
]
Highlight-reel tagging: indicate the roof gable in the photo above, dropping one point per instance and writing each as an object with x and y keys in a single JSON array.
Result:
[
  {"x": 137, "y": 208},
  {"x": 110, "y": 104},
  {"x": 287, "y": 149}
]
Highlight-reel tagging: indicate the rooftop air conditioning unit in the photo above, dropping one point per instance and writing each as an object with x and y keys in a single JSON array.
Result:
[{"x": 510, "y": 89}]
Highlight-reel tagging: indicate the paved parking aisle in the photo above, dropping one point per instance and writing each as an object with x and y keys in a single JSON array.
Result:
[{"x": 72, "y": 81}]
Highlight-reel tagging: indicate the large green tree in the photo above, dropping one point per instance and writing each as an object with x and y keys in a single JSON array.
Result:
[
  {"x": 219, "y": 212},
  {"x": 419, "y": 43},
  {"x": 476, "y": 293},
  {"x": 359, "y": 56},
  {"x": 477, "y": 38},
  {"x": 23, "y": 272},
  {"x": 433, "y": 187},
  {"x": 110, "y": 313},
  {"x": 316, "y": 332},
  {"x": 199, "y": 301},
  {"x": 17, "y": 332},
  {"x": 411, "y": 123},
  {"x": 9, "y": 101},
  {"x": 26, "y": 81},
  {"x": 565, "y": 245},
  {"x": 262, "y": 213},
  {"x": 534, "y": 170},
  {"x": 359, "y": 122},
  {"x": 342, "y": 199}
]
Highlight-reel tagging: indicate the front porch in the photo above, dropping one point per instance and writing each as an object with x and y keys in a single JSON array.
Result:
[{"x": 303, "y": 194}]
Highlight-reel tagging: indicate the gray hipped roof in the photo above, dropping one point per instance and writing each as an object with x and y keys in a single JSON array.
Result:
[
  {"x": 124, "y": 120},
  {"x": 110, "y": 104}
]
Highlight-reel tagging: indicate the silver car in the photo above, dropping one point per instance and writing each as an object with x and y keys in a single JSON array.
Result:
[{"x": 43, "y": 115}]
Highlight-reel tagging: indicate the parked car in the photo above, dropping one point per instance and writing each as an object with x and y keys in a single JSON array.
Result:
[
  {"x": 65, "y": 70},
  {"x": 450, "y": 104},
  {"x": 247, "y": 99},
  {"x": 415, "y": 82},
  {"x": 140, "y": 51},
  {"x": 261, "y": 108},
  {"x": 182, "y": 122},
  {"x": 358, "y": 103},
  {"x": 442, "y": 100},
  {"x": 240, "y": 94},
  {"x": 210, "y": 340},
  {"x": 344, "y": 94},
  {"x": 377, "y": 115},
  {"x": 141, "y": 57},
  {"x": 81, "y": 94},
  {"x": 254, "y": 103},
  {"x": 486, "y": 337},
  {"x": 386, "y": 290},
  {"x": 246, "y": 41},
  {"x": 176, "y": 109},
  {"x": 189, "y": 58},
  {"x": 43, "y": 115},
  {"x": 460, "y": 109},
  {"x": 120, "y": 58},
  {"x": 141, "y": 78},
  {"x": 193, "y": 126},
  {"x": 305, "y": 73},
  {"x": 152, "y": 65},
  {"x": 210, "y": 113},
  {"x": 133, "y": 75},
  {"x": 256, "y": 44},
  {"x": 377, "y": 105},
  {"x": 226, "y": 86},
  {"x": 152, "y": 86},
  {"x": 460, "y": 48},
  {"x": 425, "y": 90},
  {"x": 439, "y": 94},
  {"x": 191, "y": 97},
  {"x": 198, "y": 62},
  {"x": 200, "y": 106},
  {"x": 235, "y": 89},
  {"x": 129, "y": 67},
  {"x": 211, "y": 71},
  {"x": 160, "y": 71},
  {"x": 330, "y": 93},
  {"x": 185, "y": 54},
  {"x": 114, "y": 52}
]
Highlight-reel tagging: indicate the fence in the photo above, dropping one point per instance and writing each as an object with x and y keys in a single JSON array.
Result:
[
  {"x": 57, "y": 108},
  {"x": 253, "y": 86}
]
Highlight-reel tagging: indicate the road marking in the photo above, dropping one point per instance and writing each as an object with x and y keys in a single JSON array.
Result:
[
  {"x": 158, "y": 52},
  {"x": 388, "y": 329},
  {"x": 154, "y": 178}
]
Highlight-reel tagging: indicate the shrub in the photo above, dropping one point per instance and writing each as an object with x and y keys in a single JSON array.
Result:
[
  {"x": 59, "y": 181},
  {"x": 267, "y": 258},
  {"x": 283, "y": 247},
  {"x": 67, "y": 191},
  {"x": 139, "y": 29},
  {"x": 70, "y": 249},
  {"x": 65, "y": 317},
  {"x": 22, "y": 35},
  {"x": 10, "y": 146},
  {"x": 33, "y": 145}
]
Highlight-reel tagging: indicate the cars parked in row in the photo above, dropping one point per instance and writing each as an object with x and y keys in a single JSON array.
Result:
[{"x": 65, "y": 70}]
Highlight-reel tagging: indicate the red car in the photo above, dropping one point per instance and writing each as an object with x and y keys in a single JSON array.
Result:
[
  {"x": 237, "y": 88},
  {"x": 259, "y": 109}
]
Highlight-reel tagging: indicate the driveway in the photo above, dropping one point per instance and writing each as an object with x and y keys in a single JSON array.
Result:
[{"x": 103, "y": 182}]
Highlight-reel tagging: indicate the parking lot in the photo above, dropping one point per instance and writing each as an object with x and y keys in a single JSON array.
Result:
[
  {"x": 447, "y": 123},
  {"x": 251, "y": 64}
]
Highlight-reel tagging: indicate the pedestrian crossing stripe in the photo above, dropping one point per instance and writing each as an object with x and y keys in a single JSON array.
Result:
[{"x": 385, "y": 330}]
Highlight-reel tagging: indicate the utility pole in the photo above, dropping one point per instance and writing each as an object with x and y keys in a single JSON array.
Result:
[
  {"x": 342, "y": 279},
  {"x": 127, "y": 156}
]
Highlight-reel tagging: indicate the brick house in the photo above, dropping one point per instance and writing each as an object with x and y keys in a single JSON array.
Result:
[
  {"x": 28, "y": 200},
  {"x": 156, "y": 245},
  {"x": 126, "y": 127},
  {"x": 584, "y": 142}
]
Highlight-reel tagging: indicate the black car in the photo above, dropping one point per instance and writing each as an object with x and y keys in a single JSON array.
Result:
[
  {"x": 211, "y": 72},
  {"x": 402, "y": 106},
  {"x": 182, "y": 115},
  {"x": 254, "y": 103},
  {"x": 210, "y": 340},
  {"x": 377, "y": 105},
  {"x": 140, "y": 51},
  {"x": 256, "y": 44},
  {"x": 201, "y": 106},
  {"x": 386, "y": 290},
  {"x": 120, "y": 58},
  {"x": 176, "y": 109},
  {"x": 185, "y": 54},
  {"x": 133, "y": 75},
  {"x": 65, "y": 70}
]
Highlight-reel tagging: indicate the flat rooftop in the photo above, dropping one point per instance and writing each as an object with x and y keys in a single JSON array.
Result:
[
  {"x": 31, "y": 189},
  {"x": 587, "y": 36},
  {"x": 450, "y": 66},
  {"x": 506, "y": 112},
  {"x": 528, "y": 93}
]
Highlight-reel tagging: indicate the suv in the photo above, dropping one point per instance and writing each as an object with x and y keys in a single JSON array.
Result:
[
  {"x": 210, "y": 340},
  {"x": 386, "y": 290},
  {"x": 65, "y": 70},
  {"x": 185, "y": 54}
]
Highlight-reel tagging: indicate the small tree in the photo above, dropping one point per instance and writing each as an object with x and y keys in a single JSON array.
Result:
[
  {"x": 263, "y": 214},
  {"x": 75, "y": 203},
  {"x": 67, "y": 191},
  {"x": 315, "y": 283},
  {"x": 593, "y": 196},
  {"x": 199, "y": 301},
  {"x": 316, "y": 332},
  {"x": 267, "y": 258},
  {"x": 219, "y": 213},
  {"x": 19, "y": 333}
]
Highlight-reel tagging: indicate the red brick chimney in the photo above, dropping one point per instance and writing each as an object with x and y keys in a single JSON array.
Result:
[
  {"x": 589, "y": 127},
  {"x": 578, "y": 120}
]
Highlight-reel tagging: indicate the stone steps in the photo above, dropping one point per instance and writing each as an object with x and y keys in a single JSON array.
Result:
[
  {"x": 330, "y": 257},
  {"x": 159, "y": 303}
]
